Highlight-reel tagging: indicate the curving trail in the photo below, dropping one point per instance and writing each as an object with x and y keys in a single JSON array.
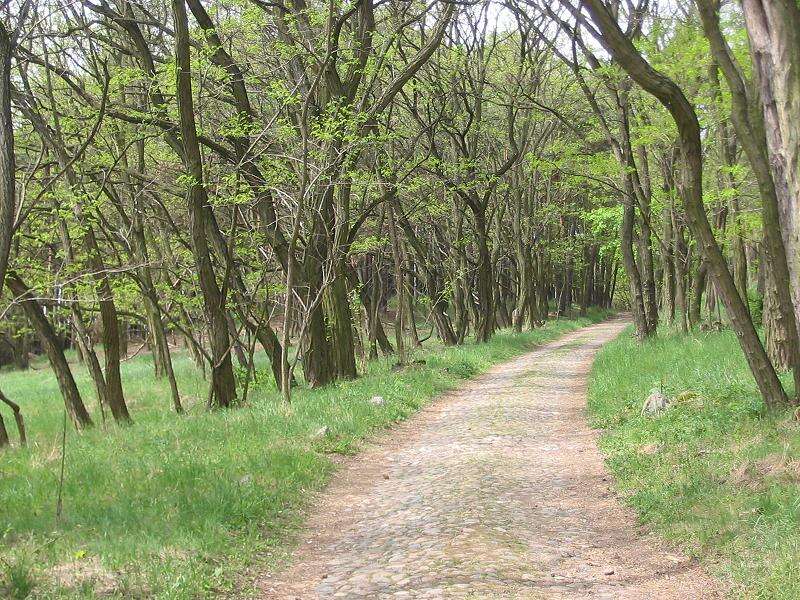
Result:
[{"x": 496, "y": 490}]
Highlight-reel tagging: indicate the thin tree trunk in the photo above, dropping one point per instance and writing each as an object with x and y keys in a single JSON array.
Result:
[
  {"x": 18, "y": 419},
  {"x": 55, "y": 353},
  {"x": 398, "y": 278}
]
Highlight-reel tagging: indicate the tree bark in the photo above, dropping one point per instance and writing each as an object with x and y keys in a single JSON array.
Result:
[
  {"x": 55, "y": 353},
  {"x": 18, "y": 419},
  {"x": 760, "y": 136},
  {"x": 773, "y": 27},
  {"x": 223, "y": 384},
  {"x": 399, "y": 320}
]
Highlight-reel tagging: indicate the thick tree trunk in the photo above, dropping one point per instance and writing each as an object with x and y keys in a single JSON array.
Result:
[
  {"x": 773, "y": 27},
  {"x": 340, "y": 325},
  {"x": 776, "y": 330},
  {"x": 8, "y": 170},
  {"x": 223, "y": 384}
]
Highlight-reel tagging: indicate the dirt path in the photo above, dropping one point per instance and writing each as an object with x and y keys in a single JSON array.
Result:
[{"x": 496, "y": 490}]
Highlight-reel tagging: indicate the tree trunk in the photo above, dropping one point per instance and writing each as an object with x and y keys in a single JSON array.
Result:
[
  {"x": 55, "y": 353},
  {"x": 773, "y": 27},
  {"x": 8, "y": 170},
  {"x": 398, "y": 278},
  {"x": 84, "y": 344},
  {"x": 223, "y": 384},
  {"x": 485, "y": 322},
  {"x": 632, "y": 270},
  {"x": 673, "y": 99},
  {"x": 18, "y": 419},
  {"x": 340, "y": 325},
  {"x": 668, "y": 266},
  {"x": 776, "y": 330}
]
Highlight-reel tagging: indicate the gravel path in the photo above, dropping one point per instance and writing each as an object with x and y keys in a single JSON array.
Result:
[{"x": 496, "y": 490}]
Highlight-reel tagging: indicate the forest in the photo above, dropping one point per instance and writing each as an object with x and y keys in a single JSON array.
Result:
[{"x": 239, "y": 237}]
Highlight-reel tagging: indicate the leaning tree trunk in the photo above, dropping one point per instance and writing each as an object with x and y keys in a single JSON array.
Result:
[
  {"x": 87, "y": 351},
  {"x": 115, "y": 397},
  {"x": 673, "y": 99},
  {"x": 18, "y": 418},
  {"x": 55, "y": 353}
]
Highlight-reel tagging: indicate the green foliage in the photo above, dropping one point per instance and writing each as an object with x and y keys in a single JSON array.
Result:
[
  {"x": 756, "y": 303},
  {"x": 716, "y": 472}
]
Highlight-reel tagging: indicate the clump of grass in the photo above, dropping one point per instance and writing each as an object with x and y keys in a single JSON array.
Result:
[
  {"x": 17, "y": 581},
  {"x": 177, "y": 507},
  {"x": 716, "y": 472}
]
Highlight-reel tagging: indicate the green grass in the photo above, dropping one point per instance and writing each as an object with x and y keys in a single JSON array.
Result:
[
  {"x": 182, "y": 507},
  {"x": 718, "y": 474}
]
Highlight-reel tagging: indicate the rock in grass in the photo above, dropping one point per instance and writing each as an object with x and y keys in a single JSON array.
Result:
[
  {"x": 377, "y": 401},
  {"x": 321, "y": 433},
  {"x": 655, "y": 403}
]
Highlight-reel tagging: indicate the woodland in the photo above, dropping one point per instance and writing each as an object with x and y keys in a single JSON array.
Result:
[{"x": 210, "y": 209}]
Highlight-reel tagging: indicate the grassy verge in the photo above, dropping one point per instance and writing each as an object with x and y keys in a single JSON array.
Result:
[
  {"x": 716, "y": 472},
  {"x": 176, "y": 507}
]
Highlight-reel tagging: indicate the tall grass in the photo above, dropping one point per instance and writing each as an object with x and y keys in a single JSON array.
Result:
[
  {"x": 178, "y": 507},
  {"x": 716, "y": 472}
]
